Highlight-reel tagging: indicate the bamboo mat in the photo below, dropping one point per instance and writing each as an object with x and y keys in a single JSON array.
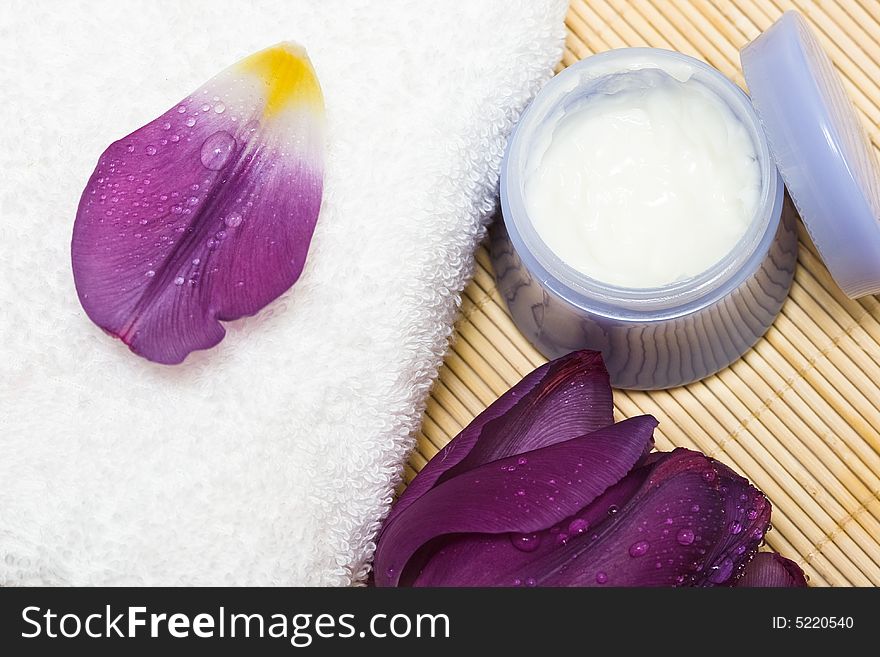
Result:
[{"x": 798, "y": 415}]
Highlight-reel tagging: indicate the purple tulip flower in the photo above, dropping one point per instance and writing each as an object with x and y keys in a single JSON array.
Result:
[{"x": 543, "y": 489}]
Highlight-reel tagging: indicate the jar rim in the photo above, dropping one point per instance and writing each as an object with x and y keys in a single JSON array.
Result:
[{"x": 679, "y": 297}]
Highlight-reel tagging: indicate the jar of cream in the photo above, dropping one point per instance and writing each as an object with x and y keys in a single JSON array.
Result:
[{"x": 643, "y": 212}]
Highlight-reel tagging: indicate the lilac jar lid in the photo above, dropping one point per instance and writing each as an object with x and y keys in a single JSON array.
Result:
[{"x": 822, "y": 151}]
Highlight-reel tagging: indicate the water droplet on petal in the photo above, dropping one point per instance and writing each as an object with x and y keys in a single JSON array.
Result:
[
  {"x": 530, "y": 581},
  {"x": 190, "y": 122},
  {"x": 150, "y": 274},
  {"x": 181, "y": 109},
  {"x": 734, "y": 527},
  {"x": 685, "y": 536},
  {"x": 525, "y": 542},
  {"x": 578, "y": 526},
  {"x": 638, "y": 548},
  {"x": 219, "y": 108},
  {"x": 217, "y": 149},
  {"x": 612, "y": 509},
  {"x": 233, "y": 220},
  {"x": 722, "y": 572},
  {"x": 601, "y": 577},
  {"x": 522, "y": 460},
  {"x": 178, "y": 280},
  {"x": 752, "y": 514},
  {"x": 151, "y": 150},
  {"x": 695, "y": 508}
]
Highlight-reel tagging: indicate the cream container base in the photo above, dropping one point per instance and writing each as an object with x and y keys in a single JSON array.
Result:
[{"x": 651, "y": 337}]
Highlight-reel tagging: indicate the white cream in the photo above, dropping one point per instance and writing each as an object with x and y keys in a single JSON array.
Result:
[{"x": 646, "y": 185}]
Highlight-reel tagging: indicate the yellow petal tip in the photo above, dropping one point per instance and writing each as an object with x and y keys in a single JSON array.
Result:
[{"x": 288, "y": 75}]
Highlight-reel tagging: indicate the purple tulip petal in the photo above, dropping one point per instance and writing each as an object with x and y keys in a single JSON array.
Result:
[
  {"x": 513, "y": 494},
  {"x": 746, "y": 518},
  {"x": 770, "y": 570},
  {"x": 561, "y": 400},
  {"x": 660, "y": 538},
  {"x": 483, "y": 559},
  {"x": 206, "y": 213}
]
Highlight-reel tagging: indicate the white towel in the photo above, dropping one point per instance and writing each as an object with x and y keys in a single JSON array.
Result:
[{"x": 272, "y": 458}]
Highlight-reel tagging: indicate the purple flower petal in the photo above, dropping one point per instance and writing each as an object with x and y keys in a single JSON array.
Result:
[
  {"x": 746, "y": 518},
  {"x": 513, "y": 494},
  {"x": 499, "y": 559},
  {"x": 206, "y": 213},
  {"x": 768, "y": 570},
  {"x": 660, "y": 538},
  {"x": 561, "y": 400}
]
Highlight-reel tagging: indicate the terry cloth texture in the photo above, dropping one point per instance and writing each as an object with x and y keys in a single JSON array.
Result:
[{"x": 272, "y": 458}]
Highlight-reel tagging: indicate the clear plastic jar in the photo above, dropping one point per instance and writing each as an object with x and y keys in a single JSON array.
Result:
[{"x": 650, "y": 337}]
